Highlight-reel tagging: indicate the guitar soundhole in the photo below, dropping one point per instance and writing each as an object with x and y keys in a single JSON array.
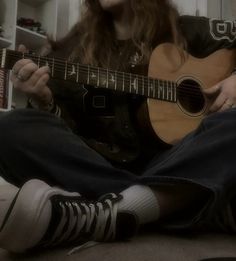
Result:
[{"x": 190, "y": 96}]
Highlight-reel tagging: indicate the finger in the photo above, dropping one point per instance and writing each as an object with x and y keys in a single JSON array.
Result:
[
  {"x": 228, "y": 104},
  {"x": 22, "y": 48},
  {"x": 39, "y": 87},
  {"x": 218, "y": 103},
  {"x": 38, "y": 74},
  {"x": 213, "y": 91},
  {"x": 46, "y": 49},
  {"x": 26, "y": 71},
  {"x": 18, "y": 65},
  {"x": 29, "y": 87}
]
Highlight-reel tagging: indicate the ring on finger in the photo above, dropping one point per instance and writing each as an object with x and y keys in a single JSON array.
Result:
[
  {"x": 14, "y": 71},
  {"x": 20, "y": 77}
]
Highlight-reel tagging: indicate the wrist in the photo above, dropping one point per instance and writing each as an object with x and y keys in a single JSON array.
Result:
[{"x": 45, "y": 106}]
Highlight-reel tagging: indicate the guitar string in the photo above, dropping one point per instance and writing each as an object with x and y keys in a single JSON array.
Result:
[
  {"x": 83, "y": 69},
  {"x": 60, "y": 65},
  {"x": 61, "y": 68}
]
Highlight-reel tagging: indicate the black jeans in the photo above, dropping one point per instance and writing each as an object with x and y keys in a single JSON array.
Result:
[{"x": 35, "y": 144}]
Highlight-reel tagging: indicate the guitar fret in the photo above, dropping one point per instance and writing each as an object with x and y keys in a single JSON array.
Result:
[
  {"x": 133, "y": 84},
  {"x": 143, "y": 85},
  {"x": 169, "y": 92},
  {"x": 151, "y": 87},
  {"x": 112, "y": 80},
  {"x": 77, "y": 72},
  {"x": 53, "y": 67},
  {"x": 123, "y": 82},
  {"x": 164, "y": 90},
  {"x": 130, "y": 86},
  {"x": 98, "y": 77},
  {"x": 154, "y": 89},
  {"x": 46, "y": 62},
  {"x": 119, "y": 81},
  {"x": 174, "y": 91},
  {"x": 107, "y": 82},
  {"x": 38, "y": 62},
  {"x": 65, "y": 74},
  {"x": 146, "y": 89},
  {"x": 160, "y": 90},
  {"x": 88, "y": 74},
  {"x": 102, "y": 78},
  {"x": 137, "y": 84},
  {"x": 115, "y": 80}
]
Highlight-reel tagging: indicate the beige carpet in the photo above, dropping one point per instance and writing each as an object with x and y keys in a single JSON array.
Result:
[{"x": 158, "y": 247}]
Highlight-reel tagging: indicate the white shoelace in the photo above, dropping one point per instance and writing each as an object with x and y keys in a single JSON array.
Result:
[{"x": 75, "y": 220}]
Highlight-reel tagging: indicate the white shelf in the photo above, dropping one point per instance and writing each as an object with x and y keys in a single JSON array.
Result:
[
  {"x": 29, "y": 38},
  {"x": 43, "y": 11},
  {"x": 53, "y": 15},
  {"x": 34, "y": 2},
  {"x": 4, "y": 42},
  {"x": 30, "y": 32}
]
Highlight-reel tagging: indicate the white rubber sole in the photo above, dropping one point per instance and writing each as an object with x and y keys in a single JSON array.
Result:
[{"x": 28, "y": 217}]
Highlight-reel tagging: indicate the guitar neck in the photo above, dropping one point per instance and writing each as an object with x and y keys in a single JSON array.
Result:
[{"x": 97, "y": 76}]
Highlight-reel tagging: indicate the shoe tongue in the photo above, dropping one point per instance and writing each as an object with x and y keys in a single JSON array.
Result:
[{"x": 126, "y": 225}]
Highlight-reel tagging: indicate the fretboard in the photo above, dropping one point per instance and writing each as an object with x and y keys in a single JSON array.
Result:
[{"x": 97, "y": 76}]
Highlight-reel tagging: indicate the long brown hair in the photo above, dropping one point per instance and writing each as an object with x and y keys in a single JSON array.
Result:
[{"x": 92, "y": 38}]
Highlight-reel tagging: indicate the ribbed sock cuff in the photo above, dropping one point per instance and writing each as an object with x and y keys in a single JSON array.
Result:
[{"x": 142, "y": 201}]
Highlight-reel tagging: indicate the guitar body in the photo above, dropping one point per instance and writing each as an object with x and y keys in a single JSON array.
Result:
[{"x": 172, "y": 121}]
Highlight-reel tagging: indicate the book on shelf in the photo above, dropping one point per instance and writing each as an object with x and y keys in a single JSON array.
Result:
[{"x": 4, "y": 88}]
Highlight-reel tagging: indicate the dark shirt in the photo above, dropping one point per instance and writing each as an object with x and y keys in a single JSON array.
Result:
[{"x": 109, "y": 121}]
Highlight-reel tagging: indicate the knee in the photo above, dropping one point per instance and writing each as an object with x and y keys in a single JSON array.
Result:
[
  {"x": 11, "y": 125},
  {"x": 225, "y": 119},
  {"x": 12, "y": 120},
  {"x": 17, "y": 124}
]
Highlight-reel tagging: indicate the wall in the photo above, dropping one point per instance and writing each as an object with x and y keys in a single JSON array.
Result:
[
  {"x": 221, "y": 9},
  {"x": 192, "y": 7},
  {"x": 229, "y": 9},
  {"x": 225, "y": 9}
]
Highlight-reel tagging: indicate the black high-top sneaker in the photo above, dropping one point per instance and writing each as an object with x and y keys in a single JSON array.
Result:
[{"x": 42, "y": 216}]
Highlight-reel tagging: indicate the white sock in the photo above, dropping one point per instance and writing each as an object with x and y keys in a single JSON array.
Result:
[{"x": 142, "y": 201}]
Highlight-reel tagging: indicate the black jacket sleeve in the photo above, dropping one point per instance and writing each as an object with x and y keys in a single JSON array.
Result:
[{"x": 206, "y": 35}]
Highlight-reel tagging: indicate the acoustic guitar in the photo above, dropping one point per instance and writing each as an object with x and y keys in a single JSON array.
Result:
[{"x": 173, "y": 87}]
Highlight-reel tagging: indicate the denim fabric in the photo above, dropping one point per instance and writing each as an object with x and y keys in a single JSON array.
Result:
[{"x": 36, "y": 144}]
